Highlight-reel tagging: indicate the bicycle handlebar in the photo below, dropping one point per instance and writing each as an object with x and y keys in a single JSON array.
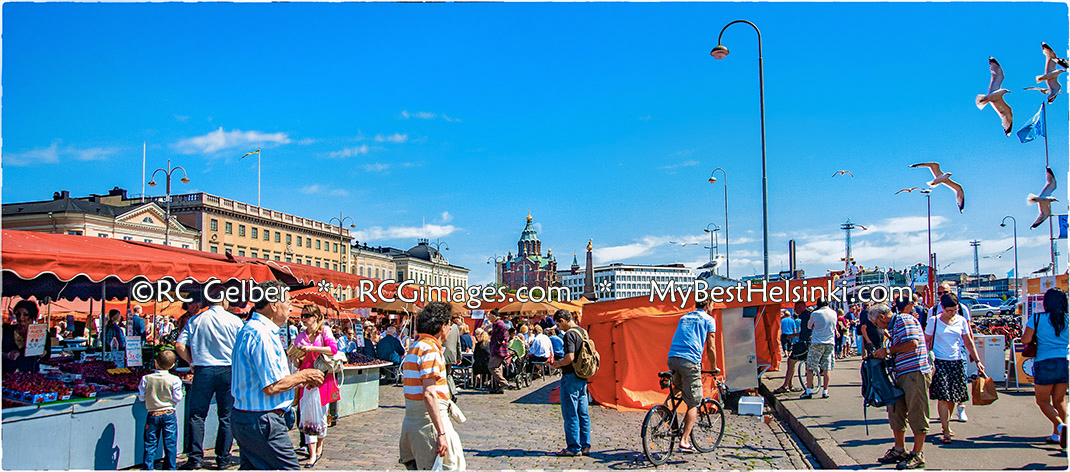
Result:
[{"x": 712, "y": 372}]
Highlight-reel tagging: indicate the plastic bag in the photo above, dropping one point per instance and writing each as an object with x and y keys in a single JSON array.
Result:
[
  {"x": 313, "y": 414},
  {"x": 438, "y": 463}
]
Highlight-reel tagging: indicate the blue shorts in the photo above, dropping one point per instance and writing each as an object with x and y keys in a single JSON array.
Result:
[{"x": 1051, "y": 371}]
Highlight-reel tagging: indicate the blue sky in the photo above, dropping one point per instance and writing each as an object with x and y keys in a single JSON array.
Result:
[{"x": 450, "y": 121}]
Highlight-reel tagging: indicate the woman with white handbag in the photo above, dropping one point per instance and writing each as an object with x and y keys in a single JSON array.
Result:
[{"x": 315, "y": 341}]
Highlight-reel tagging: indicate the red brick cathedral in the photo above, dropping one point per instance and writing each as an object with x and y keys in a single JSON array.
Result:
[{"x": 529, "y": 268}]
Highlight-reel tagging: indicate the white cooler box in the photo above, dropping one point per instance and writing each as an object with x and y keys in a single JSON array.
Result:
[
  {"x": 751, "y": 405},
  {"x": 991, "y": 349}
]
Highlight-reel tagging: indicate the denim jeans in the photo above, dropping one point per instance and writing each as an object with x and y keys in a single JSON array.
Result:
[
  {"x": 574, "y": 403},
  {"x": 209, "y": 382},
  {"x": 161, "y": 427}
]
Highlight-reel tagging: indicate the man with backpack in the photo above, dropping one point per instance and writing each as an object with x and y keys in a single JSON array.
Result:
[
  {"x": 695, "y": 334},
  {"x": 578, "y": 364},
  {"x": 913, "y": 375}
]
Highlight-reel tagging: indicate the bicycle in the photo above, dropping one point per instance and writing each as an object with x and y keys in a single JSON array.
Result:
[{"x": 663, "y": 427}]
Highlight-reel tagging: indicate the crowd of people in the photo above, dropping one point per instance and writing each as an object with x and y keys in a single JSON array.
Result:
[{"x": 928, "y": 349}]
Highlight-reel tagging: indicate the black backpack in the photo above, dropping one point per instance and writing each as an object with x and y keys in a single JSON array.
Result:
[{"x": 878, "y": 390}]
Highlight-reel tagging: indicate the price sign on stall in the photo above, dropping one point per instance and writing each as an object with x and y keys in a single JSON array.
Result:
[
  {"x": 35, "y": 339},
  {"x": 116, "y": 357},
  {"x": 133, "y": 351}
]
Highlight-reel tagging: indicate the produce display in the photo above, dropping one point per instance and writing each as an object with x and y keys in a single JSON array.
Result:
[
  {"x": 38, "y": 388},
  {"x": 358, "y": 360},
  {"x": 105, "y": 374}
]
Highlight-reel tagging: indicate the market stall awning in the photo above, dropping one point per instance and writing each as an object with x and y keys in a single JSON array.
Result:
[
  {"x": 317, "y": 296},
  {"x": 389, "y": 291},
  {"x": 292, "y": 273},
  {"x": 67, "y": 266},
  {"x": 527, "y": 309}
]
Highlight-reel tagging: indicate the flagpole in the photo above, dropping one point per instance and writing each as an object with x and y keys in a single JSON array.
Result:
[
  {"x": 1047, "y": 164},
  {"x": 143, "y": 172},
  {"x": 258, "y": 171}
]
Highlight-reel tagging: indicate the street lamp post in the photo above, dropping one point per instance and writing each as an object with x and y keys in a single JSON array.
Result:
[
  {"x": 713, "y": 179},
  {"x": 438, "y": 245},
  {"x": 342, "y": 246},
  {"x": 497, "y": 260},
  {"x": 1017, "y": 276},
  {"x": 152, "y": 183},
  {"x": 713, "y": 234},
  {"x": 720, "y": 52}
]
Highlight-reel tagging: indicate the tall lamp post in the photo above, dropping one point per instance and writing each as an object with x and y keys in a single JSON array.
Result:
[
  {"x": 1017, "y": 276},
  {"x": 438, "y": 245},
  {"x": 497, "y": 260},
  {"x": 342, "y": 246},
  {"x": 152, "y": 183},
  {"x": 713, "y": 234},
  {"x": 720, "y": 52},
  {"x": 713, "y": 179}
]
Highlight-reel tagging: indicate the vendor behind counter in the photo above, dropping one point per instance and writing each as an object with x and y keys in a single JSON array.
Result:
[{"x": 14, "y": 340}]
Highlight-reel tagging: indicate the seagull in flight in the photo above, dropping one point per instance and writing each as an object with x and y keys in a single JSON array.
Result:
[
  {"x": 941, "y": 177},
  {"x": 1044, "y": 199},
  {"x": 908, "y": 190},
  {"x": 1051, "y": 73},
  {"x": 682, "y": 244},
  {"x": 841, "y": 172},
  {"x": 995, "y": 96},
  {"x": 1043, "y": 269}
]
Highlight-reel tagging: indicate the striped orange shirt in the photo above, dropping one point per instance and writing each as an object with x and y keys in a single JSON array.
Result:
[{"x": 424, "y": 361}]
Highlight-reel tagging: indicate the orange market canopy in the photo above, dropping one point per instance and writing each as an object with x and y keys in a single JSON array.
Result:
[
  {"x": 67, "y": 266},
  {"x": 527, "y": 309}
]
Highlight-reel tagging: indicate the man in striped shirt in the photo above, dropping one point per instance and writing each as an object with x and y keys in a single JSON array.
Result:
[
  {"x": 426, "y": 431},
  {"x": 912, "y": 374},
  {"x": 262, "y": 385}
]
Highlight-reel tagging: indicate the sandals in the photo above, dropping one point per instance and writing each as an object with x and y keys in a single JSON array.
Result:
[
  {"x": 312, "y": 463},
  {"x": 684, "y": 448},
  {"x": 567, "y": 453},
  {"x": 946, "y": 439}
]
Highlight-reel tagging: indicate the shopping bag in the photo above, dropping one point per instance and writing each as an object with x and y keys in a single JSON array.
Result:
[
  {"x": 313, "y": 414},
  {"x": 438, "y": 463},
  {"x": 984, "y": 391}
]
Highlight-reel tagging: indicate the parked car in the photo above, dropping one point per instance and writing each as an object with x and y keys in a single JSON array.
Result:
[
  {"x": 983, "y": 309},
  {"x": 1007, "y": 308}
]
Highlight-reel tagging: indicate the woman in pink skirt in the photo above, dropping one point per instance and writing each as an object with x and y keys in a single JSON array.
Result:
[{"x": 314, "y": 341}]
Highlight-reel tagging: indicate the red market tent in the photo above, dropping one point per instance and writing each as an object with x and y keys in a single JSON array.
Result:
[{"x": 67, "y": 266}]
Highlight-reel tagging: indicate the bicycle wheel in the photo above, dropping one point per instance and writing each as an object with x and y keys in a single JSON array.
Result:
[
  {"x": 802, "y": 376},
  {"x": 657, "y": 434},
  {"x": 709, "y": 427}
]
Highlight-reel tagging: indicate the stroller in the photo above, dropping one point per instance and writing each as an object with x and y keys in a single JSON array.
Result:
[{"x": 517, "y": 372}]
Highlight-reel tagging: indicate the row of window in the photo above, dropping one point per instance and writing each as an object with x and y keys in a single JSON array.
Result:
[
  {"x": 254, "y": 233},
  {"x": 78, "y": 232}
]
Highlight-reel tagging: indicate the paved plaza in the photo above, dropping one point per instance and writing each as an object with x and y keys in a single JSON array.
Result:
[{"x": 521, "y": 430}]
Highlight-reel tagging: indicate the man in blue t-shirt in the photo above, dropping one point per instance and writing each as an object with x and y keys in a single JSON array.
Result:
[
  {"x": 787, "y": 331},
  {"x": 694, "y": 334}
]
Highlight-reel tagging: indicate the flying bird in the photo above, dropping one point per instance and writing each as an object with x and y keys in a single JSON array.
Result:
[
  {"x": 995, "y": 97},
  {"x": 841, "y": 172},
  {"x": 1043, "y": 269},
  {"x": 908, "y": 190},
  {"x": 682, "y": 244},
  {"x": 941, "y": 177},
  {"x": 1051, "y": 73},
  {"x": 1041, "y": 90},
  {"x": 1044, "y": 199},
  {"x": 863, "y": 227}
]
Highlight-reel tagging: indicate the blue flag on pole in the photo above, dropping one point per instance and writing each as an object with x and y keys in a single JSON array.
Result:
[
  {"x": 1035, "y": 127},
  {"x": 1062, "y": 226},
  {"x": 1010, "y": 274}
]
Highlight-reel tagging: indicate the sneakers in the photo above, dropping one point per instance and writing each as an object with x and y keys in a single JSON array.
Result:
[
  {"x": 806, "y": 396},
  {"x": 824, "y": 394},
  {"x": 893, "y": 457},
  {"x": 912, "y": 461},
  {"x": 960, "y": 413}
]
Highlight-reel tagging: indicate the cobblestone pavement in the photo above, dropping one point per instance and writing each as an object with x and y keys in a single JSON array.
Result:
[{"x": 521, "y": 430}]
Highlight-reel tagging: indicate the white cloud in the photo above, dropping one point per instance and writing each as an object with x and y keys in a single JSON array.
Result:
[
  {"x": 307, "y": 141},
  {"x": 644, "y": 246},
  {"x": 646, "y": 117},
  {"x": 57, "y": 152},
  {"x": 392, "y": 138},
  {"x": 450, "y": 119},
  {"x": 234, "y": 140},
  {"x": 316, "y": 189},
  {"x": 420, "y": 115},
  {"x": 181, "y": 118},
  {"x": 383, "y": 168},
  {"x": 446, "y": 217},
  {"x": 376, "y": 167},
  {"x": 349, "y": 152},
  {"x": 378, "y": 233},
  {"x": 688, "y": 163}
]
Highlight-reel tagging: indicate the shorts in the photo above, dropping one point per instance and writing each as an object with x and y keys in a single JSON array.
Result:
[
  {"x": 687, "y": 376},
  {"x": 913, "y": 408},
  {"x": 819, "y": 357},
  {"x": 1051, "y": 371},
  {"x": 799, "y": 350}
]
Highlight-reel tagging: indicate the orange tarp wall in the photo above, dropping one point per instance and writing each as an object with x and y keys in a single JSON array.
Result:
[{"x": 633, "y": 337}]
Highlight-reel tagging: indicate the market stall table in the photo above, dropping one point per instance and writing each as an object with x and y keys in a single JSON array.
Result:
[{"x": 359, "y": 389}]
